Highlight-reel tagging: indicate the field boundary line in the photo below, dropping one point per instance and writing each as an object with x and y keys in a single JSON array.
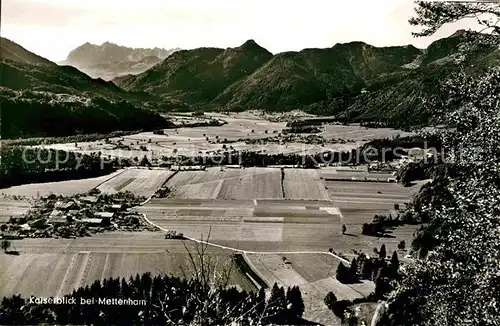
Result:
[
  {"x": 111, "y": 178},
  {"x": 104, "y": 267},
  {"x": 164, "y": 183},
  {"x": 66, "y": 275},
  {"x": 248, "y": 251},
  {"x": 169, "y": 178},
  {"x": 230, "y": 178}
]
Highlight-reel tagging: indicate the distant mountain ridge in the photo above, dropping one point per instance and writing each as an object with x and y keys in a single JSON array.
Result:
[
  {"x": 109, "y": 60},
  {"x": 198, "y": 76},
  {"x": 40, "y": 98},
  {"x": 261, "y": 80},
  {"x": 355, "y": 80}
]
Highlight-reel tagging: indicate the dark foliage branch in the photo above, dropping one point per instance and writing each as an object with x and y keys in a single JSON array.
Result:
[
  {"x": 432, "y": 15},
  {"x": 458, "y": 283}
]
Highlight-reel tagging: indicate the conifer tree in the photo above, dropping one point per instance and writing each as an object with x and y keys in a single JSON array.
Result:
[
  {"x": 294, "y": 297},
  {"x": 353, "y": 270},
  {"x": 395, "y": 262},
  {"x": 343, "y": 274},
  {"x": 382, "y": 252},
  {"x": 330, "y": 300}
]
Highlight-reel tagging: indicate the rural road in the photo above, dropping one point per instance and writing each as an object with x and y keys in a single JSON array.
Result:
[
  {"x": 248, "y": 251},
  {"x": 240, "y": 250}
]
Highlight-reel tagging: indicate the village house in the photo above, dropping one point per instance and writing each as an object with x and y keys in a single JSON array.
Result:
[
  {"x": 73, "y": 212},
  {"x": 89, "y": 199},
  {"x": 64, "y": 206},
  {"x": 57, "y": 217},
  {"x": 92, "y": 221},
  {"x": 25, "y": 228},
  {"x": 17, "y": 220},
  {"x": 102, "y": 215},
  {"x": 115, "y": 207},
  {"x": 38, "y": 224}
]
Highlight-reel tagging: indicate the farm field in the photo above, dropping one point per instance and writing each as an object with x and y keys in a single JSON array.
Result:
[
  {"x": 214, "y": 183},
  {"x": 13, "y": 207},
  {"x": 255, "y": 185},
  {"x": 119, "y": 242},
  {"x": 304, "y": 184},
  {"x": 301, "y": 268},
  {"x": 248, "y": 217},
  {"x": 271, "y": 225},
  {"x": 337, "y": 174},
  {"x": 246, "y": 125},
  {"x": 248, "y": 183},
  {"x": 266, "y": 225},
  {"x": 367, "y": 195},
  {"x": 64, "y": 188},
  {"x": 50, "y": 267},
  {"x": 357, "y": 133},
  {"x": 314, "y": 274},
  {"x": 359, "y": 202},
  {"x": 141, "y": 182}
]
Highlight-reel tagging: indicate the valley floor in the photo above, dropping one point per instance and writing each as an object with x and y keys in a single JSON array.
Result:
[
  {"x": 284, "y": 231},
  {"x": 283, "y": 224},
  {"x": 195, "y": 141}
]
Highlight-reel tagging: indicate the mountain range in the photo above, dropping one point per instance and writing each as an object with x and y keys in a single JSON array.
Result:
[
  {"x": 109, "y": 60},
  {"x": 354, "y": 81}
]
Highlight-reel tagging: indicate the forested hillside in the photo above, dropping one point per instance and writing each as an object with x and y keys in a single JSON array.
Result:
[
  {"x": 453, "y": 277},
  {"x": 40, "y": 98},
  {"x": 355, "y": 81}
]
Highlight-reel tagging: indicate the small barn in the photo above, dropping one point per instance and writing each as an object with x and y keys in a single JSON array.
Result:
[
  {"x": 89, "y": 199},
  {"x": 92, "y": 221},
  {"x": 64, "y": 206},
  {"x": 101, "y": 215},
  {"x": 57, "y": 217}
]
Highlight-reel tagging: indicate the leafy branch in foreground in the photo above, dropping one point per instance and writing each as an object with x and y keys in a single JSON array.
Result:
[
  {"x": 459, "y": 281},
  {"x": 432, "y": 15}
]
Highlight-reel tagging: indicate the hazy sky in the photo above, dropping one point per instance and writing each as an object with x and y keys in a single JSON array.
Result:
[{"x": 52, "y": 28}]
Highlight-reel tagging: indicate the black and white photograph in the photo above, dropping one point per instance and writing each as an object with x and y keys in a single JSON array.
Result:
[{"x": 250, "y": 163}]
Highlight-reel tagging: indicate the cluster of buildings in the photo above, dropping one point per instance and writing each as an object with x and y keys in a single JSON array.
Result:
[{"x": 73, "y": 216}]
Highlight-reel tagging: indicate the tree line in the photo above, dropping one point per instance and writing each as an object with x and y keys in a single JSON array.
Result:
[
  {"x": 21, "y": 165},
  {"x": 169, "y": 301},
  {"x": 363, "y": 267}
]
